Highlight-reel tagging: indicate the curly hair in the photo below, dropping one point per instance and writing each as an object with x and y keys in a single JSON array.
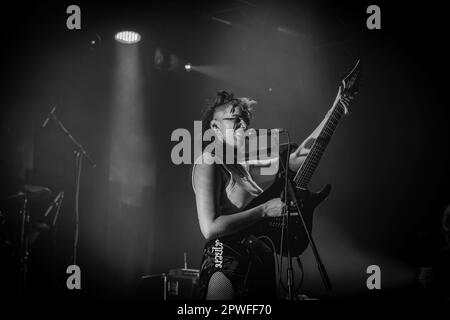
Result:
[{"x": 226, "y": 98}]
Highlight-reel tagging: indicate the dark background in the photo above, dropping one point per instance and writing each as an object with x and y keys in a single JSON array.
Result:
[{"x": 388, "y": 161}]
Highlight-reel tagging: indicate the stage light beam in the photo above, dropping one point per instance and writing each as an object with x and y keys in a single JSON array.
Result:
[{"x": 131, "y": 162}]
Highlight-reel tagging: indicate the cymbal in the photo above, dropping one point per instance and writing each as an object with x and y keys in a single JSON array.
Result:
[
  {"x": 39, "y": 226},
  {"x": 37, "y": 191},
  {"x": 18, "y": 195},
  {"x": 32, "y": 192}
]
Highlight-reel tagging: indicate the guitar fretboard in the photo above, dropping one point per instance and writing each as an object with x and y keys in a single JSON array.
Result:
[{"x": 304, "y": 174}]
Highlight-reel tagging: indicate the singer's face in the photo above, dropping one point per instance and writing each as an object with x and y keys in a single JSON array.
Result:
[{"x": 230, "y": 125}]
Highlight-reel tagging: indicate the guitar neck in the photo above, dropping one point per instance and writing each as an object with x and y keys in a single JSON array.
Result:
[{"x": 304, "y": 174}]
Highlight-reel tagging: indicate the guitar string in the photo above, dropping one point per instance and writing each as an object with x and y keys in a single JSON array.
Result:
[
  {"x": 314, "y": 158},
  {"x": 308, "y": 169}
]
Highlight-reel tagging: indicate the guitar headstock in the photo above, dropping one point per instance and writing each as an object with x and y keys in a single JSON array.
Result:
[{"x": 350, "y": 86}]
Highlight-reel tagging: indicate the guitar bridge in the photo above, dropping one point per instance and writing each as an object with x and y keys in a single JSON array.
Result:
[{"x": 279, "y": 222}]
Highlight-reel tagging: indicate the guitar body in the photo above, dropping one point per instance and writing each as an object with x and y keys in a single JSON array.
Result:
[{"x": 273, "y": 227}]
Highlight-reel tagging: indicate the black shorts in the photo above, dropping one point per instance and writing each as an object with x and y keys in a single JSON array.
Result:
[{"x": 245, "y": 261}]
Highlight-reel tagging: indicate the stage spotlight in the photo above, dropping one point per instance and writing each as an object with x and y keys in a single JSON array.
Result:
[
  {"x": 188, "y": 67},
  {"x": 95, "y": 42},
  {"x": 165, "y": 60},
  {"x": 127, "y": 37},
  {"x": 159, "y": 58}
]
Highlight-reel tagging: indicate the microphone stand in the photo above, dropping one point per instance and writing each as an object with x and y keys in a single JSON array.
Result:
[
  {"x": 320, "y": 266},
  {"x": 287, "y": 213},
  {"x": 290, "y": 197},
  {"x": 80, "y": 153}
]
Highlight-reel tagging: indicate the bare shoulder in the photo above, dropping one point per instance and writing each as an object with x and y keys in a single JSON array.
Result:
[
  {"x": 203, "y": 169},
  {"x": 203, "y": 176}
]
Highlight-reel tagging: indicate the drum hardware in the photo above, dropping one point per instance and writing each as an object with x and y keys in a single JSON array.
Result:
[{"x": 28, "y": 231}]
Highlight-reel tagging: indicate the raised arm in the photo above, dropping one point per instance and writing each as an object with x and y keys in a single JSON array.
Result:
[
  {"x": 298, "y": 156},
  {"x": 214, "y": 225}
]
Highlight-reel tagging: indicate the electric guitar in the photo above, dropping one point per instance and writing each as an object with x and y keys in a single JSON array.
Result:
[{"x": 273, "y": 228}]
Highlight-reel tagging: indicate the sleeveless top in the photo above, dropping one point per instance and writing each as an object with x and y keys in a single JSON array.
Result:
[
  {"x": 240, "y": 183},
  {"x": 236, "y": 186}
]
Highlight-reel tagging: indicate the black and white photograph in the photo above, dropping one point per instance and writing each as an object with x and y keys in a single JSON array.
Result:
[{"x": 252, "y": 152}]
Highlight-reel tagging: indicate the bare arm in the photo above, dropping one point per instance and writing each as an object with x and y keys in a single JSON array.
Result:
[
  {"x": 212, "y": 224},
  {"x": 299, "y": 155}
]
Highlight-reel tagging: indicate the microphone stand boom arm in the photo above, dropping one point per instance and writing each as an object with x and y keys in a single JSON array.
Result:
[{"x": 79, "y": 152}]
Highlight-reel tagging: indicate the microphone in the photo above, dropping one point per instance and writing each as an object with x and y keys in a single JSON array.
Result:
[
  {"x": 54, "y": 203},
  {"x": 48, "y": 117}
]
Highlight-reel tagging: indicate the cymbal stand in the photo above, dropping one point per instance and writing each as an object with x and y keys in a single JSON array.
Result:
[{"x": 24, "y": 254}]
